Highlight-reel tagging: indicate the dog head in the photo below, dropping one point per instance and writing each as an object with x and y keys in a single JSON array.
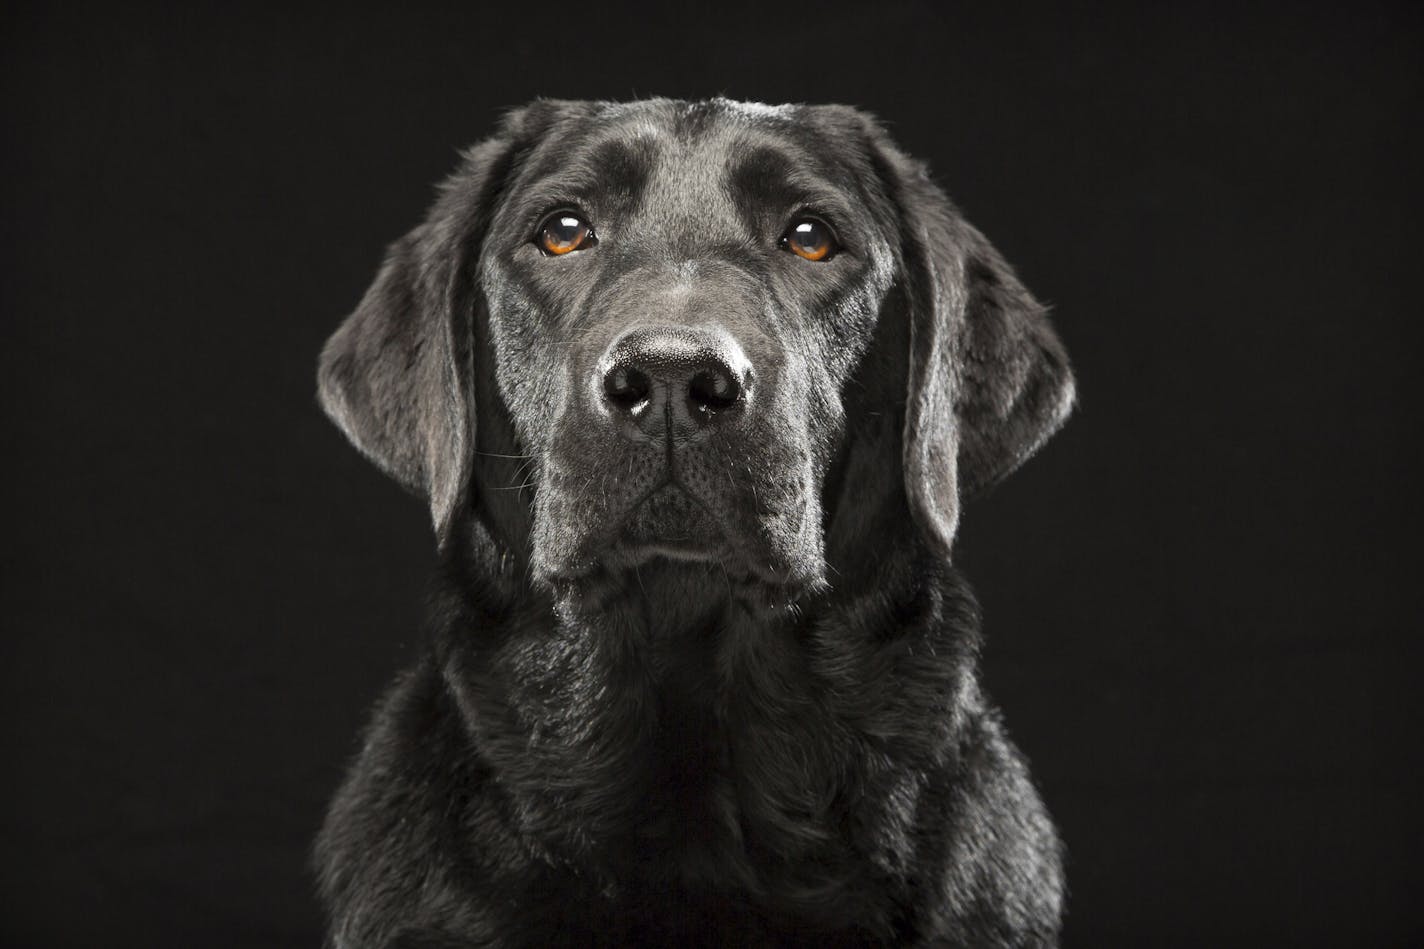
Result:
[{"x": 644, "y": 324}]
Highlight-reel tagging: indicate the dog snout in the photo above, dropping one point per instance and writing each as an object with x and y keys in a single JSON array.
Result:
[{"x": 675, "y": 380}]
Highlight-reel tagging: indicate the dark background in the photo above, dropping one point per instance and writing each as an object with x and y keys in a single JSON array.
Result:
[{"x": 1202, "y": 598}]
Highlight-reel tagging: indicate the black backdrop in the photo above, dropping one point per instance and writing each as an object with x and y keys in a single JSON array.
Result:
[{"x": 1202, "y": 601}]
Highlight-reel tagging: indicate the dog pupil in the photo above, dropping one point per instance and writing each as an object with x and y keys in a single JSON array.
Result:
[{"x": 566, "y": 230}]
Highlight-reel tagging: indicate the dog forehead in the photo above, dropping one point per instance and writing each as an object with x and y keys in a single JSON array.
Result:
[{"x": 701, "y": 163}]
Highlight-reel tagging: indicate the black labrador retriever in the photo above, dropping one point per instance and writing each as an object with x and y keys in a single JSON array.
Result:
[{"x": 694, "y": 390}]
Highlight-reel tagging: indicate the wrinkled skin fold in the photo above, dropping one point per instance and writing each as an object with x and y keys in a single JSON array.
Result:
[{"x": 699, "y": 669}]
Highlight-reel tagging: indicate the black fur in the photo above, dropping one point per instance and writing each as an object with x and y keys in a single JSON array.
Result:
[{"x": 778, "y": 739}]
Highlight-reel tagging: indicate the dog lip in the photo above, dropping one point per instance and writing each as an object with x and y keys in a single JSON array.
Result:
[
  {"x": 645, "y": 533},
  {"x": 566, "y": 573},
  {"x": 633, "y": 554}
]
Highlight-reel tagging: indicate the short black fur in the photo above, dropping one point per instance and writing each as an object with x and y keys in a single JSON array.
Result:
[{"x": 778, "y": 738}]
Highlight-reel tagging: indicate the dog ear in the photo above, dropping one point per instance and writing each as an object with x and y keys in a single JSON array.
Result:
[
  {"x": 989, "y": 381},
  {"x": 396, "y": 375}
]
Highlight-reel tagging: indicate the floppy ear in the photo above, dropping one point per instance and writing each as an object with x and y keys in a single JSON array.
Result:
[
  {"x": 989, "y": 381},
  {"x": 396, "y": 375}
]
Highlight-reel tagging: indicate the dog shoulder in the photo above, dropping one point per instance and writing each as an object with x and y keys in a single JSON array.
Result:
[
  {"x": 392, "y": 857},
  {"x": 996, "y": 877}
]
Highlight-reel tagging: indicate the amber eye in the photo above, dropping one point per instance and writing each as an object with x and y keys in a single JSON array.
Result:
[
  {"x": 809, "y": 238},
  {"x": 565, "y": 231}
]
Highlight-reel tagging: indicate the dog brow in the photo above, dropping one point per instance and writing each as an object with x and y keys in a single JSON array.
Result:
[
  {"x": 766, "y": 179},
  {"x": 614, "y": 167}
]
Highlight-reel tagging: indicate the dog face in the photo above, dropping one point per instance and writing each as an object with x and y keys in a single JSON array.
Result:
[
  {"x": 670, "y": 302},
  {"x": 676, "y": 366}
]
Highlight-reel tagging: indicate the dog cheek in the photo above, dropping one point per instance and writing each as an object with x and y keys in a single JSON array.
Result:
[
  {"x": 778, "y": 502},
  {"x": 529, "y": 370},
  {"x": 821, "y": 429},
  {"x": 557, "y": 549}
]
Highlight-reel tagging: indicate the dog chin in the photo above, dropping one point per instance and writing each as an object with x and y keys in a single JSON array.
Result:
[
  {"x": 604, "y": 587},
  {"x": 625, "y": 571},
  {"x": 671, "y": 529}
]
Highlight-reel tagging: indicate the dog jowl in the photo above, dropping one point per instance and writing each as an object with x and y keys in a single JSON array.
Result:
[{"x": 694, "y": 391}]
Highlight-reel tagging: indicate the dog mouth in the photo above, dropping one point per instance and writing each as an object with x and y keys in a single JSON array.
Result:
[
  {"x": 669, "y": 523},
  {"x": 591, "y": 545}
]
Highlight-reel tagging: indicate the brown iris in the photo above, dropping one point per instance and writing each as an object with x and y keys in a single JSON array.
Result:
[
  {"x": 565, "y": 231},
  {"x": 809, "y": 238}
]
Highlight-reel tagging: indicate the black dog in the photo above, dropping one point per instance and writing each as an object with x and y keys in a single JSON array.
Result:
[{"x": 694, "y": 390}]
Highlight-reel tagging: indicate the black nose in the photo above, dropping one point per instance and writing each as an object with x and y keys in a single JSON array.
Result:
[{"x": 675, "y": 379}]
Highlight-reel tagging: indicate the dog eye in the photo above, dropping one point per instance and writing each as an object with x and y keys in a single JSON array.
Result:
[
  {"x": 563, "y": 232},
  {"x": 809, "y": 238}
]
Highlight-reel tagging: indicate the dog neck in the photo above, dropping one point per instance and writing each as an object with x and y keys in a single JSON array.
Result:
[{"x": 679, "y": 720}]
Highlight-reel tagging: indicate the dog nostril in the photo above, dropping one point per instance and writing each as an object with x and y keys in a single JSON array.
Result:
[
  {"x": 626, "y": 386},
  {"x": 714, "y": 389}
]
